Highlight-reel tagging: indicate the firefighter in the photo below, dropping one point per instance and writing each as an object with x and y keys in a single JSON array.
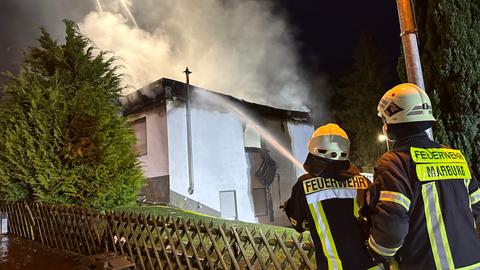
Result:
[
  {"x": 425, "y": 200},
  {"x": 324, "y": 201}
]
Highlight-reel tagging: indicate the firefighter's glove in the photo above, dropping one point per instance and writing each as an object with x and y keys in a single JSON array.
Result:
[{"x": 364, "y": 226}]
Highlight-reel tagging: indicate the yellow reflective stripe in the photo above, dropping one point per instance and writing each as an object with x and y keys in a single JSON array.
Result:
[
  {"x": 470, "y": 267},
  {"x": 467, "y": 183},
  {"x": 396, "y": 197},
  {"x": 393, "y": 265},
  {"x": 336, "y": 258},
  {"x": 436, "y": 228},
  {"x": 355, "y": 208},
  {"x": 376, "y": 267},
  {"x": 442, "y": 171},
  {"x": 443, "y": 231},
  {"x": 323, "y": 230},
  {"x": 293, "y": 221},
  {"x": 428, "y": 219},
  {"x": 475, "y": 197},
  {"x": 384, "y": 251}
]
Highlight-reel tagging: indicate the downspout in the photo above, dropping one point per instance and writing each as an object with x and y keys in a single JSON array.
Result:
[{"x": 189, "y": 135}]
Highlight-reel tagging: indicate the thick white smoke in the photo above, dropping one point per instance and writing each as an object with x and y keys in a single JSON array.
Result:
[{"x": 235, "y": 47}]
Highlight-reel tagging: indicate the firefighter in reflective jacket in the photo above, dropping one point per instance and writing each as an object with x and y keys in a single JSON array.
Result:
[
  {"x": 324, "y": 201},
  {"x": 424, "y": 201}
]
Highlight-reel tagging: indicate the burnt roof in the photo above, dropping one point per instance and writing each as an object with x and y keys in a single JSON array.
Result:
[{"x": 162, "y": 89}]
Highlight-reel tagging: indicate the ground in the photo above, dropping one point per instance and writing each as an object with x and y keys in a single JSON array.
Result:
[{"x": 17, "y": 253}]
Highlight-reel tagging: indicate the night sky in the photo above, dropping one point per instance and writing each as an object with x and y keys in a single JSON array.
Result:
[
  {"x": 329, "y": 30},
  {"x": 325, "y": 31}
]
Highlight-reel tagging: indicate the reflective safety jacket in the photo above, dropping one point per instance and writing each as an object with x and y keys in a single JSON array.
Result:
[
  {"x": 425, "y": 202},
  {"x": 327, "y": 205}
]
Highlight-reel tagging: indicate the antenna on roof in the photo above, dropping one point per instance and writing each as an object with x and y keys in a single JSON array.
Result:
[{"x": 187, "y": 72}]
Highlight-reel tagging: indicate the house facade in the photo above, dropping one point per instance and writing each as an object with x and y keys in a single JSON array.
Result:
[{"x": 215, "y": 154}]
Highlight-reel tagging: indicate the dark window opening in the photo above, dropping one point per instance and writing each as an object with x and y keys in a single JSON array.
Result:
[{"x": 140, "y": 128}]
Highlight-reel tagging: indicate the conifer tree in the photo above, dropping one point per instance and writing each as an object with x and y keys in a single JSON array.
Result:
[
  {"x": 449, "y": 34},
  {"x": 355, "y": 100},
  {"x": 63, "y": 139}
]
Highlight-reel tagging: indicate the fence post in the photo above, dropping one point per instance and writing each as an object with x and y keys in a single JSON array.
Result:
[{"x": 3, "y": 223}]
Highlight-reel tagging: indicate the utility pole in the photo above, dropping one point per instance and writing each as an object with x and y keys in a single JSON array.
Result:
[
  {"x": 408, "y": 33},
  {"x": 189, "y": 133}
]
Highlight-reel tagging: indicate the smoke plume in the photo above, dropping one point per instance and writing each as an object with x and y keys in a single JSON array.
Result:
[
  {"x": 239, "y": 48},
  {"x": 242, "y": 48}
]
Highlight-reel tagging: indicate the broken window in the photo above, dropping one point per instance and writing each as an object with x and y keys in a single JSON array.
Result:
[
  {"x": 260, "y": 201},
  {"x": 140, "y": 128}
]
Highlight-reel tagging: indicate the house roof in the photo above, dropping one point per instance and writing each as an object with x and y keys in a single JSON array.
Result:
[{"x": 162, "y": 89}]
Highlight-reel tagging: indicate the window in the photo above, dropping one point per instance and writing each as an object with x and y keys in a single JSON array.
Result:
[
  {"x": 228, "y": 204},
  {"x": 260, "y": 201},
  {"x": 251, "y": 138},
  {"x": 140, "y": 128}
]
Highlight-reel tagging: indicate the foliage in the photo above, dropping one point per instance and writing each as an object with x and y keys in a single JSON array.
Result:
[
  {"x": 450, "y": 52},
  {"x": 63, "y": 140},
  {"x": 355, "y": 100}
]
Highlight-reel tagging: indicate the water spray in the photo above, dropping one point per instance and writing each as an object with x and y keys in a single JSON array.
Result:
[
  {"x": 128, "y": 11},
  {"x": 264, "y": 134},
  {"x": 267, "y": 136},
  {"x": 99, "y": 7}
]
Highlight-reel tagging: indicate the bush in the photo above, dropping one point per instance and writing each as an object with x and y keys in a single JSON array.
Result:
[{"x": 63, "y": 140}]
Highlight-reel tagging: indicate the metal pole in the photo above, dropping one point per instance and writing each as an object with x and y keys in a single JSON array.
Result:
[
  {"x": 410, "y": 44},
  {"x": 189, "y": 134}
]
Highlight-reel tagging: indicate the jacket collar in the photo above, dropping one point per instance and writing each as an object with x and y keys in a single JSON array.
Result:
[
  {"x": 339, "y": 170},
  {"x": 415, "y": 139}
]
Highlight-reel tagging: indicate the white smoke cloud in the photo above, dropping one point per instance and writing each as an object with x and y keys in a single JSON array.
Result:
[{"x": 238, "y": 48}]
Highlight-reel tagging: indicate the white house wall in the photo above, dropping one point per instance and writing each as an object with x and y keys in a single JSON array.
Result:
[
  {"x": 219, "y": 161},
  {"x": 300, "y": 133},
  {"x": 177, "y": 147}
]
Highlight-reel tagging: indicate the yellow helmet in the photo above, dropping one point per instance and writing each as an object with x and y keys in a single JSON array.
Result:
[
  {"x": 405, "y": 103},
  {"x": 329, "y": 141}
]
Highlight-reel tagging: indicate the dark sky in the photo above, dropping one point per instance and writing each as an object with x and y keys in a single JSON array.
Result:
[
  {"x": 20, "y": 20},
  {"x": 329, "y": 30},
  {"x": 326, "y": 31}
]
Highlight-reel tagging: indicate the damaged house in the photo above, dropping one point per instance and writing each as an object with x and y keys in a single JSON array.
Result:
[{"x": 215, "y": 154}]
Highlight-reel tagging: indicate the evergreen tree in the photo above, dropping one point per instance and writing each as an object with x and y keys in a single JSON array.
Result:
[
  {"x": 449, "y": 34},
  {"x": 63, "y": 140},
  {"x": 355, "y": 100}
]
